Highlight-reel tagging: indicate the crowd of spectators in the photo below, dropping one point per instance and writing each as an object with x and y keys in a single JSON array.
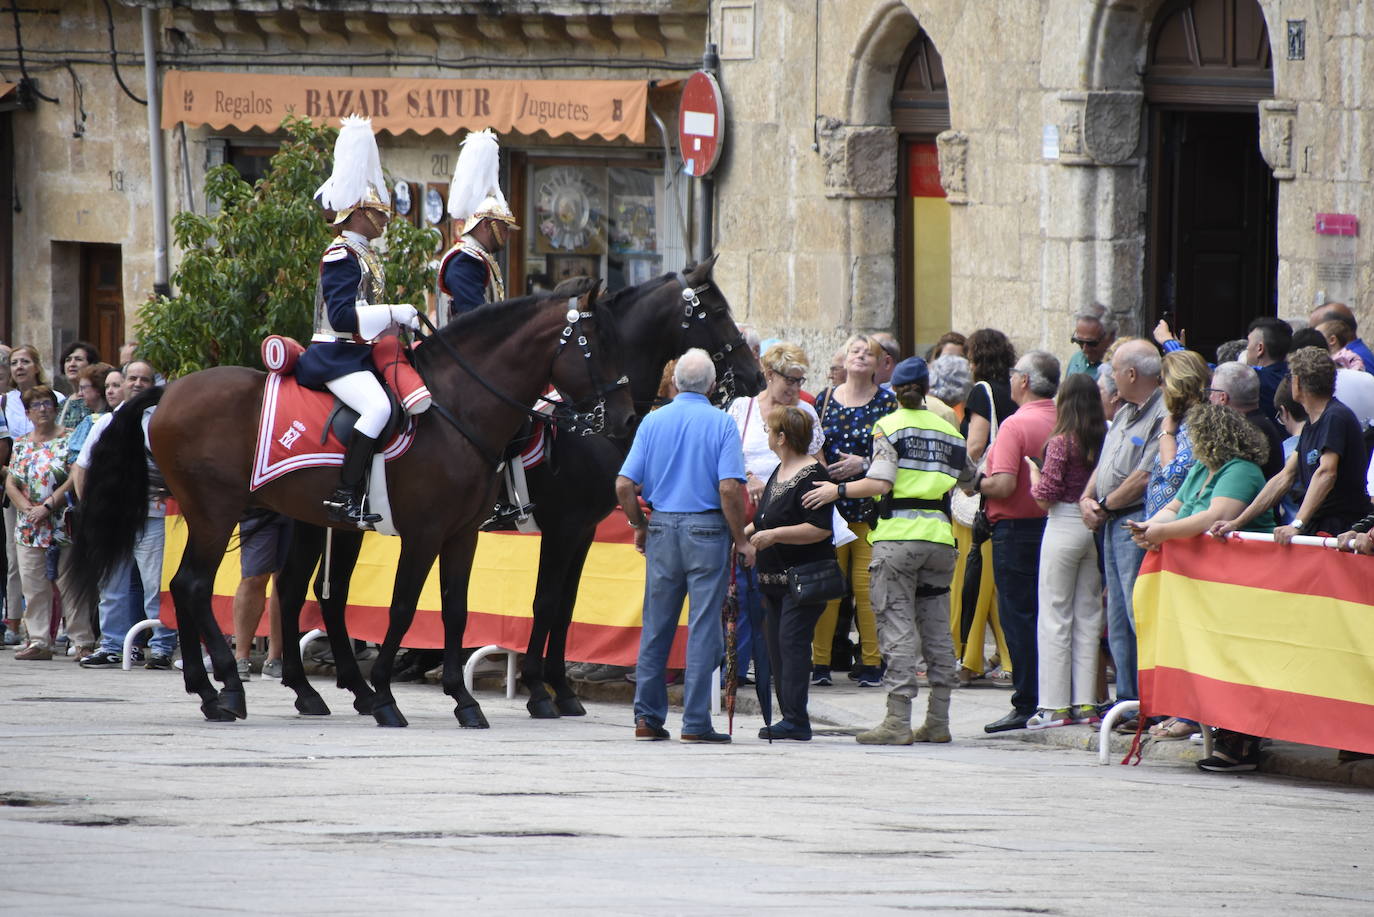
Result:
[
  {"x": 1072, "y": 471},
  {"x": 1078, "y": 469}
]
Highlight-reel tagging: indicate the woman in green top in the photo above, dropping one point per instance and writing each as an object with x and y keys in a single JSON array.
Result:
[
  {"x": 1227, "y": 476},
  {"x": 1218, "y": 488}
]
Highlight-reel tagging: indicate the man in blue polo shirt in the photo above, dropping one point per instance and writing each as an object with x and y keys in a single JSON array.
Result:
[{"x": 688, "y": 463}]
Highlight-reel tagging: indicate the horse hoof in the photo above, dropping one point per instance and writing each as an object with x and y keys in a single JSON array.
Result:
[
  {"x": 215, "y": 713},
  {"x": 389, "y": 715},
  {"x": 471, "y": 717},
  {"x": 363, "y": 705},
  {"x": 233, "y": 701},
  {"x": 570, "y": 706},
  {"x": 540, "y": 708},
  {"x": 312, "y": 706}
]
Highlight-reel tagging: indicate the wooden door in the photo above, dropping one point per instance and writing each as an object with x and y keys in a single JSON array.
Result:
[
  {"x": 102, "y": 299},
  {"x": 1215, "y": 227}
]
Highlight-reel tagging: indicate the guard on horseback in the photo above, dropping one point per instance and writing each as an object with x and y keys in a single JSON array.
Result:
[
  {"x": 469, "y": 274},
  {"x": 349, "y": 310}
]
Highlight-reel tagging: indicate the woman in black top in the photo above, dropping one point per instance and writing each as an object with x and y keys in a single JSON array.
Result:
[
  {"x": 787, "y": 534},
  {"x": 992, "y": 356}
]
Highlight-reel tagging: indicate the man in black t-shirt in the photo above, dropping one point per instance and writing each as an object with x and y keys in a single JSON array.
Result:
[{"x": 1330, "y": 461}]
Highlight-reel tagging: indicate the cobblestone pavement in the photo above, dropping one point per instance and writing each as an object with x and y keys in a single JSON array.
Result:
[{"x": 117, "y": 798}]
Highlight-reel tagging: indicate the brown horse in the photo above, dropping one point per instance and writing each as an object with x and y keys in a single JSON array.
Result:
[{"x": 481, "y": 369}]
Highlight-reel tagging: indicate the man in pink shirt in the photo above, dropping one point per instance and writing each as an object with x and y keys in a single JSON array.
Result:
[{"x": 1018, "y": 524}]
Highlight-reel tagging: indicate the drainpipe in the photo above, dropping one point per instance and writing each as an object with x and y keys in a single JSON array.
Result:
[
  {"x": 704, "y": 205},
  {"x": 161, "y": 286}
]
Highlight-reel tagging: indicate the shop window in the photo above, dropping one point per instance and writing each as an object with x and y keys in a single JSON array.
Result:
[{"x": 600, "y": 218}]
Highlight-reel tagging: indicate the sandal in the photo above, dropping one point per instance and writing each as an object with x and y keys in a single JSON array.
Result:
[{"x": 1172, "y": 728}]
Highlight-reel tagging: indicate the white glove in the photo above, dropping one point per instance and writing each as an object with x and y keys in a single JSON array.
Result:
[{"x": 406, "y": 314}]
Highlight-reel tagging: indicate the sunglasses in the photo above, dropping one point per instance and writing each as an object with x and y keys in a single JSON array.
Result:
[{"x": 1085, "y": 342}]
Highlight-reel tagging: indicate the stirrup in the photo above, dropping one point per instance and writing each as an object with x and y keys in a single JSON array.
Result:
[
  {"x": 349, "y": 510},
  {"x": 506, "y": 517}
]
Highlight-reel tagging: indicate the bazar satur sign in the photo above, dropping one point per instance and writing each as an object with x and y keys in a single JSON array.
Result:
[{"x": 583, "y": 108}]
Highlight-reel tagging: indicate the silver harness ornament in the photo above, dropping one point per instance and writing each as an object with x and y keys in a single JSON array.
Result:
[{"x": 694, "y": 311}]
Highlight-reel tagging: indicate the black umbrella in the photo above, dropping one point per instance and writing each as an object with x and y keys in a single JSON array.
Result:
[{"x": 729, "y": 614}]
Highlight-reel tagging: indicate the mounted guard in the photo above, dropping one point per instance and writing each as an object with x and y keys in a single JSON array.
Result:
[
  {"x": 350, "y": 314},
  {"x": 469, "y": 274}
]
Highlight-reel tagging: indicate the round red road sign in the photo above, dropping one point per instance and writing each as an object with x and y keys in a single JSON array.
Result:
[{"x": 701, "y": 124}]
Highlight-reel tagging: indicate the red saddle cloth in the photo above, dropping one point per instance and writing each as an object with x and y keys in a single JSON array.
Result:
[{"x": 292, "y": 434}]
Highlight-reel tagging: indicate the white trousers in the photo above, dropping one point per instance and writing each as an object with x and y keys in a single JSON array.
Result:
[
  {"x": 1069, "y": 630},
  {"x": 363, "y": 393}
]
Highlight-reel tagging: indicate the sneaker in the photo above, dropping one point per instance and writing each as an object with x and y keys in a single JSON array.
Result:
[
  {"x": 1047, "y": 719},
  {"x": 245, "y": 668},
  {"x": 1223, "y": 763},
  {"x": 820, "y": 676},
  {"x": 606, "y": 674},
  {"x": 158, "y": 661},
  {"x": 1086, "y": 715},
  {"x": 710, "y": 737},
  {"x": 869, "y": 677},
  {"x": 100, "y": 659},
  {"x": 11, "y": 638},
  {"x": 646, "y": 731},
  {"x": 136, "y": 655},
  {"x": 272, "y": 669}
]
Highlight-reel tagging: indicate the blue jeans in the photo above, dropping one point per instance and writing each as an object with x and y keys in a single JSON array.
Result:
[
  {"x": 749, "y": 628},
  {"x": 1016, "y": 570},
  {"x": 687, "y": 555},
  {"x": 1121, "y": 559},
  {"x": 117, "y": 613}
]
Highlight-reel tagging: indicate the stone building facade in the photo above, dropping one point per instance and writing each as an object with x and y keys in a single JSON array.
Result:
[
  {"x": 912, "y": 165},
  {"x": 79, "y": 244},
  {"x": 1163, "y": 157}
]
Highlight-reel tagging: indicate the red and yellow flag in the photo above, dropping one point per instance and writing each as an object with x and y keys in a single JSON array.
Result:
[
  {"x": 1259, "y": 638},
  {"x": 606, "y": 618}
]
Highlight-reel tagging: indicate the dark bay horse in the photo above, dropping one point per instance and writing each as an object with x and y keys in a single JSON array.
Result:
[
  {"x": 203, "y": 435},
  {"x": 573, "y": 491}
]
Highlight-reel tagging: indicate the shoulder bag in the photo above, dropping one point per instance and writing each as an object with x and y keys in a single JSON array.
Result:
[
  {"x": 964, "y": 507},
  {"x": 817, "y": 581}
]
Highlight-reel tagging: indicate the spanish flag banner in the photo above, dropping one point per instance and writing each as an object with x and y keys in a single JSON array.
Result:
[
  {"x": 1259, "y": 638},
  {"x": 606, "y": 618}
]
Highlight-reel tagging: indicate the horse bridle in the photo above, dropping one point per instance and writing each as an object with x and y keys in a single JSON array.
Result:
[
  {"x": 565, "y": 416},
  {"x": 693, "y": 310}
]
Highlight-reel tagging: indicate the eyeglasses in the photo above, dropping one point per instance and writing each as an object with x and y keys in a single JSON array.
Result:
[
  {"x": 792, "y": 380},
  {"x": 43, "y": 406},
  {"x": 1085, "y": 342}
]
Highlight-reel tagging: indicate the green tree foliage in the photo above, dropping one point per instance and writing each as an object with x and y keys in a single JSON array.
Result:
[{"x": 250, "y": 270}]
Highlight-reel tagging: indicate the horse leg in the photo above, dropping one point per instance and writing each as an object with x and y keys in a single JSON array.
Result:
[
  {"x": 455, "y": 568},
  {"x": 348, "y": 675},
  {"x": 551, "y": 560},
  {"x": 191, "y": 591},
  {"x": 560, "y": 619},
  {"x": 307, "y": 541},
  {"x": 411, "y": 570}
]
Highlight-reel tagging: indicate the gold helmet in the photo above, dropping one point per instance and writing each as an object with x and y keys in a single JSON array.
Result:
[
  {"x": 357, "y": 180},
  {"x": 475, "y": 192}
]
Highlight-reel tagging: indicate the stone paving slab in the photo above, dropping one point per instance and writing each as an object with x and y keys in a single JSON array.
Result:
[{"x": 138, "y": 806}]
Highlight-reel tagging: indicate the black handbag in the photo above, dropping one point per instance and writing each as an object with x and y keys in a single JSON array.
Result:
[{"x": 818, "y": 581}]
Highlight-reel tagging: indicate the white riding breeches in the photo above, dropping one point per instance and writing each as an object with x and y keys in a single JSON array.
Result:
[{"x": 363, "y": 393}]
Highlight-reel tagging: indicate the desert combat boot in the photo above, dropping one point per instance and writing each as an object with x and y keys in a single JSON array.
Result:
[
  {"x": 895, "y": 729},
  {"x": 936, "y": 728}
]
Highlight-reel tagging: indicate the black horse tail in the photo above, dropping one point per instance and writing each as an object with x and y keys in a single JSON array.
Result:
[{"x": 114, "y": 501}]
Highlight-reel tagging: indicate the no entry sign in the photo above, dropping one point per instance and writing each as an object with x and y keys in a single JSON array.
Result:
[{"x": 701, "y": 124}]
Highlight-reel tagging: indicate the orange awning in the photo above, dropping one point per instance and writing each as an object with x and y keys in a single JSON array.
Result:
[{"x": 583, "y": 108}]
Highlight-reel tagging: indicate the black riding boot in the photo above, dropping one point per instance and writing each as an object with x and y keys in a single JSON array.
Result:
[{"x": 346, "y": 503}]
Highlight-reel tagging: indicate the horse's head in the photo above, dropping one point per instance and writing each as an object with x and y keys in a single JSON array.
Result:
[
  {"x": 587, "y": 369},
  {"x": 708, "y": 324}
]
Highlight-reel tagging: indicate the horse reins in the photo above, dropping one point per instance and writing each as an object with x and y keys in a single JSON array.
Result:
[{"x": 565, "y": 416}]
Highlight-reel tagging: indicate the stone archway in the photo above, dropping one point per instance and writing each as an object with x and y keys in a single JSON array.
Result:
[{"x": 860, "y": 153}]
